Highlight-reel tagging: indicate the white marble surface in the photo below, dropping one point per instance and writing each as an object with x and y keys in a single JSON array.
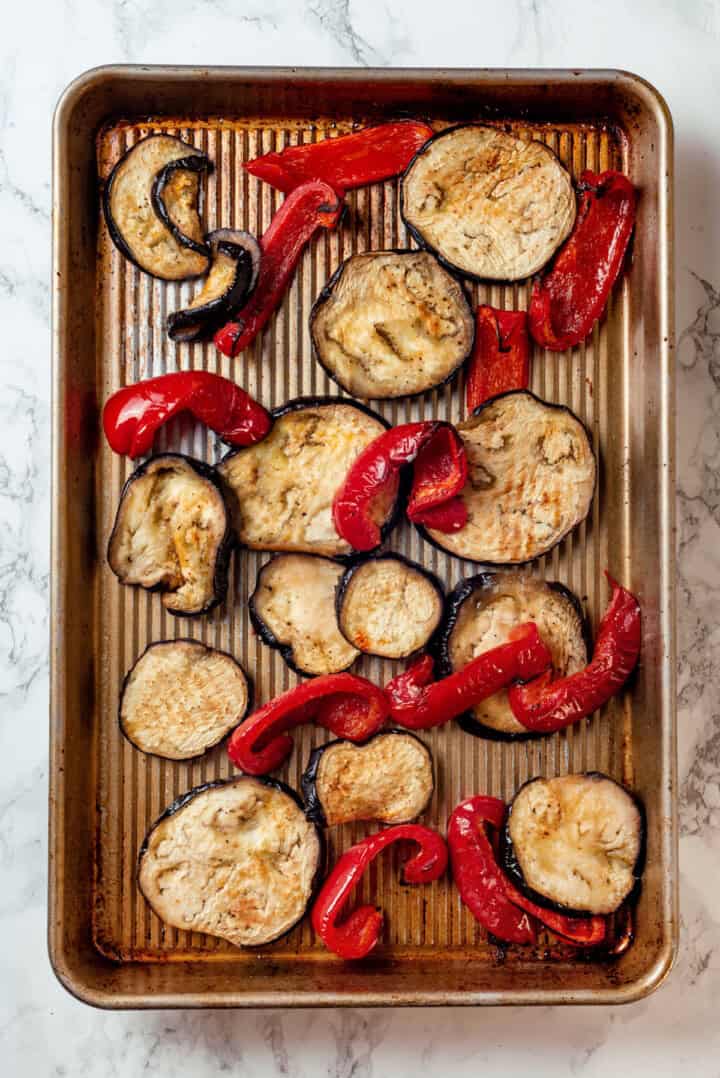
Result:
[{"x": 44, "y": 1031}]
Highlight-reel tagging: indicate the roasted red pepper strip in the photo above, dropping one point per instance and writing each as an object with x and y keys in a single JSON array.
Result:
[
  {"x": 501, "y": 355},
  {"x": 545, "y": 705},
  {"x": 419, "y": 703},
  {"x": 313, "y": 205},
  {"x": 363, "y": 157},
  {"x": 582, "y": 931},
  {"x": 350, "y": 707},
  {"x": 356, "y": 936},
  {"x": 439, "y": 475},
  {"x": 135, "y": 413},
  {"x": 568, "y": 300}
]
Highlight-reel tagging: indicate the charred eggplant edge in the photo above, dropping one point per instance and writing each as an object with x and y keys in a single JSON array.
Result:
[
  {"x": 327, "y": 291},
  {"x": 212, "y": 314},
  {"x": 189, "y": 795},
  {"x": 308, "y": 782},
  {"x": 199, "y": 162},
  {"x": 225, "y": 546}
]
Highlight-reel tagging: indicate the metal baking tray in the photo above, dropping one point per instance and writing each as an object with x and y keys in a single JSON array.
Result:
[{"x": 105, "y": 944}]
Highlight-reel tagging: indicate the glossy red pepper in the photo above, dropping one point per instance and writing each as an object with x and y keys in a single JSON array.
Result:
[
  {"x": 419, "y": 703},
  {"x": 582, "y": 931},
  {"x": 134, "y": 414},
  {"x": 544, "y": 705},
  {"x": 567, "y": 301},
  {"x": 357, "y": 935},
  {"x": 309, "y": 207},
  {"x": 363, "y": 157},
  {"x": 439, "y": 475},
  {"x": 350, "y": 707},
  {"x": 501, "y": 355}
]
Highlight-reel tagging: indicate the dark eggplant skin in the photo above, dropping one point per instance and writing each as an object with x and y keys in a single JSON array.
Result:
[
  {"x": 423, "y": 531},
  {"x": 509, "y": 863},
  {"x": 327, "y": 290},
  {"x": 277, "y": 784},
  {"x": 192, "y": 163},
  {"x": 188, "y": 759},
  {"x": 431, "y": 578},
  {"x": 211, "y": 315},
  {"x": 453, "y": 604},
  {"x": 296, "y": 405},
  {"x": 308, "y": 782},
  {"x": 228, "y": 543}
]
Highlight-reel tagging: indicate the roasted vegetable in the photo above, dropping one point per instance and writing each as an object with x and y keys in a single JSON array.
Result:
[
  {"x": 389, "y": 778},
  {"x": 488, "y": 203},
  {"x": 483, "y": 610},
  {"x": 151, "y": 207},
  {"x": 285, "y": 485},
  {"x": 180, "y": 698},
  {"x": 531, "y": 479},
  {"x": 172, "y": 533},
  {"x": 293, "y": 609},
  {"x": 388, "y": 606},
  {"x": 234, "y": 269},
  {"x": 391, "y": 324},
  {"x": 439, "y": 475},
  {"x": 236, "y": 858},
  {"x": 574, "y": 843},
  {"x": 501, "y": 356}
]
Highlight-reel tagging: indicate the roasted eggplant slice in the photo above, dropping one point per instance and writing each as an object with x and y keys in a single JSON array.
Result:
[
  {"x": 490, "y": 204},
  {"x": 480, "y": 614},
  {"x": 172, "y": 533},
  {"x": 574, "y": 843},
  {"x": 234, "y": 268},
  {"x": 392, "y": 324},
  {"x": 389, "y": 606},
  {"x": 284, "y": 486},
  {"x": 180, "y": 698},
  {"x": 293, "y": 609},
  {"x": 531, "y": 479},
  {"x": 389, "y": 778},
  {"x": 151, "y": 207},
  {"x": 236, "y": 858}
]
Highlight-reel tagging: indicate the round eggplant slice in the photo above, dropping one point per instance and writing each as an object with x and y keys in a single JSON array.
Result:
[
  {"x": 234, "y": 267},
  {"x": 389, "y": 606},
  {"x": 181, "y": 698},
  {"x": 236, "y": 858},
  {"x": 151, "y": 207},
  {"x": 389, "y": 778},
  {"x": 284, "y": 486},
  {"x": 531, "y": 479},
  {"x": 480, "y": 614},
  {"x": 392, "y": 324},
  {"x": 172, "y": 533},
  {"x": 293, "y": 609},
  {"x": 490, "y": 204},
  {"x": 574, "y": 843}
]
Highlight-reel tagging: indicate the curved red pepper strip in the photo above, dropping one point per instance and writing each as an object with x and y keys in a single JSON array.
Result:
[
  {"x": 350, "y": 707},
  {"x": 357, "y": 935},
  {"x": 439, "y": 475},
  {"x": 363, "y": 157},
  {"x": 568, "y": 300},
  {"x": 545, "y": 705},
  {"x": 133, "y": 415},
  {"x": 501, "y": 355},
  {"x": 311, "y": 206},
  {"x": 583, "y": 931},
  {"x": 418, "y": 704}
]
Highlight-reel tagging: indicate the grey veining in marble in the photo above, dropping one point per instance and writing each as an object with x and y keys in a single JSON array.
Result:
[{"x": 43, "y": 1031}]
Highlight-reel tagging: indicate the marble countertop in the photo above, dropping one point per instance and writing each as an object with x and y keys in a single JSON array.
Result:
[{"x": 43, "y": 1031}]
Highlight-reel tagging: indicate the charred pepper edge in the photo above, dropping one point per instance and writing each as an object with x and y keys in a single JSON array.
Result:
[
  {"x": 327, "y": 290},
  {"x": 249, "y": 681},
  {"x": 184, "y": 799},
  {"x": 427, "y": 246},
  {"x": 408, "y": 563},
  {"x": 209, "y": 314},
  {"x": 225, "y": 546},
  {"x": 192, "y": 163},
  {"x": 453, "y": 605},
  {"x": 510, "y": 865},
  {"x": 424, "y": 533},
  {"x": 264, "y": 631},
  {"x": 308, "y": 782}
]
